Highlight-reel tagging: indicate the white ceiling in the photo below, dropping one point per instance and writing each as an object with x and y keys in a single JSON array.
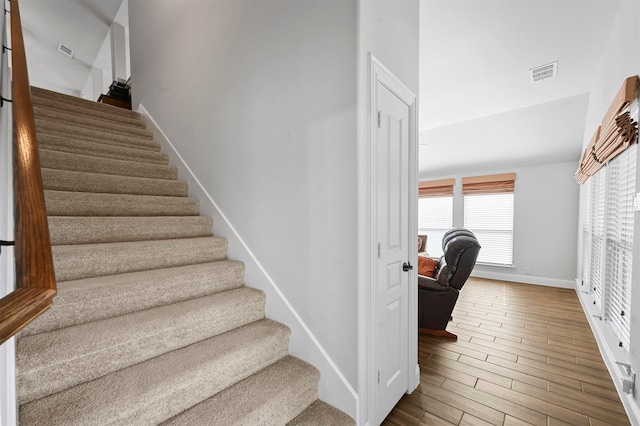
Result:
[
  {"x": 478, "y": 110},
  {"x": 81, "y": 25}
]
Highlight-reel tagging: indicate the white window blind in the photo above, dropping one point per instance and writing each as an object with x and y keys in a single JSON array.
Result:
[
  {"x": 620, "y": 190},
  {"x": 586, "y": 233},
  {"x": 435, "y": 217},
  {"x": 490, "y": 218},
  {"x": 598, "y": 187}
]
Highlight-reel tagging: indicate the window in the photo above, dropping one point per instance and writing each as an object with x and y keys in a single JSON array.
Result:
[
  {"x": 597, "y": 210},
  {"x": 490, "y": 217},
  {"x": 488, "y": 213},
  {"x": 607, "y": 229},
  {"x": 620, "y": 190},
  {"x": 435, "y": 212},
  {"x": 435, "y": 216},
  {"x": 608, "y": 173},
  {"x": 586, "y": 232}
]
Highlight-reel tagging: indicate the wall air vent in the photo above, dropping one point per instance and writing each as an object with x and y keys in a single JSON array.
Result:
[
  {"x": 65, "y": 50},
  {"x": 543, "y": 72}
]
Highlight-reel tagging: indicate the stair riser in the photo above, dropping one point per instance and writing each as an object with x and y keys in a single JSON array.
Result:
[
  {"x": 84, "y": 163},
  {"x": 92, "y": 350},
  {"x": 86, "y": 112},
  {"x": 91, "y": 127},
  {"x": 63, "y": 129},
  {"x": 96, "y": 260},
  {"x": 67, "y": 180},
  {"x": 37, "y": 92},
  {"x": 65, "y": 230},
  {"x": 95, "y": 146},
  {"x": 93, "y": 123},
  {"x": 273, "y": 396},
  {"x": 114, "y": 152},
  {"x": 154, "y": 391},
  {"x": 61, "y": 203},
  {"x": 94, "y": 299},
  {"x": 321, "y": 413}
]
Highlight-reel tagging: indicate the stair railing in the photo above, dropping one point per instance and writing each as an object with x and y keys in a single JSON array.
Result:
[{"x": 35, "y": 284}]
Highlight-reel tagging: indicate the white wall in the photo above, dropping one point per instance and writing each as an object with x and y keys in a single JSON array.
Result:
[
  {"x": 620, "y": 60},
  {"x": 545, "y": 219},
  {"x": 259, "y": 97},
  {"x": 93, "y": 89}
]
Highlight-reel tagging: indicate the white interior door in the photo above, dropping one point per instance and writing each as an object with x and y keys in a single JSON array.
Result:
[{"x": 392, "y": 206}]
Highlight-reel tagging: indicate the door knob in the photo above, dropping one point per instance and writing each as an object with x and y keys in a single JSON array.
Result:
[{"x": 406, "y": 266}]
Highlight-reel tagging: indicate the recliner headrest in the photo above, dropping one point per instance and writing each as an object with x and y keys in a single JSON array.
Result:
[
  {"x": 456, "y": 246},
  {"x": 455, "y": 232}
]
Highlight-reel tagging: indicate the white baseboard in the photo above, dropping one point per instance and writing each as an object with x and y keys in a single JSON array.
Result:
[
  {"x": 417, "y": 378},
  {"x": 525, "y": 279},
  {"x": 333, "y": 387}
]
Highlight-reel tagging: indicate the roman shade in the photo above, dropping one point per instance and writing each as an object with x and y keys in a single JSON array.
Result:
[
  {"x": 489, "y": 184},
  {"x": 617, "y": 132},
  {"x": 436, "y": 188}
]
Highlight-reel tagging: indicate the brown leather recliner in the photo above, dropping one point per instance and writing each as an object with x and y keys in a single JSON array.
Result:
[{"x": 438, "y": 295}]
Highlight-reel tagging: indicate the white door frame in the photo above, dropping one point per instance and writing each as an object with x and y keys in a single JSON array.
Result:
[{"x": 368, "y": 246}]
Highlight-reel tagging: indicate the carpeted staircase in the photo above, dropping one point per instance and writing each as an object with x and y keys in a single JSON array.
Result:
[{"x": 152, "y": 323}]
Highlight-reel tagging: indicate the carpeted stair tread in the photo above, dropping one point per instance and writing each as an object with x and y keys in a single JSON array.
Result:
[
  {"x": 78, "y": 139},
  {"x": 69, "y": 180},
  {"x": 272, "y": 396},
  {"x": 52, "y": 362},
  {"x": 95, "y": 260},
  {"x": 100, "y": 149},
  {"x": 37, "y": 92},
  {"x": 64, "y": 203},
  {"x": 90, "y": 122},
  {"x": 46, "y": 125},
  {"x": 65, "y": 230},
  {"x": 97, "y": 298},
  {"x": 86, "y": 163},
  {"x": 160, "y": 388},
  {"x": 70, "y": 108},
  {"x": 321, "y": 413}
]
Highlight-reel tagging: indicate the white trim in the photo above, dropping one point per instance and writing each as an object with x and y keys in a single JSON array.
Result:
[
  {"x": 607, "y": 343},
  {"x": 525, "y": 279},
  {"x": 333, "y": 388},
  {"x": 367, "y": 204}
]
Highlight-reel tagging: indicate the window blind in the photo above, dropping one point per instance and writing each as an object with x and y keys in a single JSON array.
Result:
[
  {"x": 435, "y": 217},
  {"x": 620, "y": 188},
  {"x": 436, "y": 188},
  {"x": 598, "y": 188},
  {"x": 489, "y": 184},
  {"x": 586, "y": 233},
  {"x": 617, "y": 132},
  {"x": 490, "y": 218}
]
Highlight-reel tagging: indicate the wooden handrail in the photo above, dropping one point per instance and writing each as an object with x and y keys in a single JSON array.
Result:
[{"x": 35, "y": 279}]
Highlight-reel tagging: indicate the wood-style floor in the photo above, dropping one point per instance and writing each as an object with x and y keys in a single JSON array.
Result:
[{"x": 525, "y": 355}]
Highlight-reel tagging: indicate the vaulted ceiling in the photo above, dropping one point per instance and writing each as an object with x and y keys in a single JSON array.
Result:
[{"x": 478, "y": 109}]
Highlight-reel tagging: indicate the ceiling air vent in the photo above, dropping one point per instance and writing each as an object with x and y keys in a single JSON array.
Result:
[
  {"x": 65, "y": 50},
  {"x": 543, "y": 72}
]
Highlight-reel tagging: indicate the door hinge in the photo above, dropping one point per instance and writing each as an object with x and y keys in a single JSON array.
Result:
[
  {"x": 378, "y": 250},
  {"x": 378, "y": 376},
  {"x": 379, "y": 119}
]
